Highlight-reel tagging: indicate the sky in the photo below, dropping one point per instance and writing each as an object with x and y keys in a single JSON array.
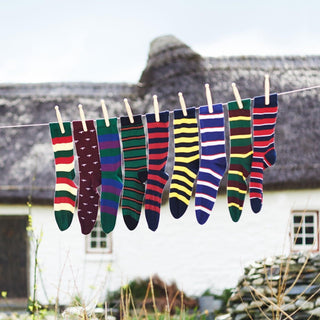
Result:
[{"x": 108, "y": 41}]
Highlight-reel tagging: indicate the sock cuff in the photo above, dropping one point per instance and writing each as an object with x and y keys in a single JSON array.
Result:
[
  {"x": 233, "y": 105},
  {"x": 260, "y": 101},
  {"x": 137, "y": 120},
  {"x": 56, "y": 132},
  {"x": 217, "y": 108},
  {"x": 113, "y": 127},
  {"x": 164, "y": 117},
  {"x": 191, "y": 113},
  {"x": 77, "y": 125}
]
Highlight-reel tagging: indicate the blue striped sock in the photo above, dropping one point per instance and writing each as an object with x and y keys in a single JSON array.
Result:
[
  {"x": 213, "y": 161},
  {"x": 111, "y": 174}
]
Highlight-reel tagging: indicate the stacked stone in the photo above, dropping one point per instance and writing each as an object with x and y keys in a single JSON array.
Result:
[{"x": 274, "y": 288}]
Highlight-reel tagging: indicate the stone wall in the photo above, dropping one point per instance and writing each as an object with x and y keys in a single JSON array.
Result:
[{"x": 279, "y": 288}]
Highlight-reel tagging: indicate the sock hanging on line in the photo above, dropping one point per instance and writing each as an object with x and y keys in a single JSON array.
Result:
[
  {"x": 111, "y": 173},
  {"x": 66, "y": 189},
  {"x": 240, "y": 156},
  {"x": 186, "y": 165},
  {"x": 158, "y": 144},
  {"x": 135, "y": 163},
  {"x": 90, "y": 174},
  {"x": 264, "y": 154},
  {"x": 213, "y": 161}
]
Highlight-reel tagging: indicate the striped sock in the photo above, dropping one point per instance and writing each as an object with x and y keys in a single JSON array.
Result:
[
  {"x": 158, "y": 138},
  {"x": 186, "y": 166},
  {"x": 90, "y": 174},
  {"x": 111, "y": 173},
  {"x": 240, "y": 156},
  {"x": 135, "y": 163},
  {"x": 66, "y": 190},
  {"x": 213, "y": 160},
  {"x": 264, "y": 154}
]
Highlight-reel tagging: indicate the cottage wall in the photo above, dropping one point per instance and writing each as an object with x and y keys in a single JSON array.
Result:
[{"x": 196, "y": 257}]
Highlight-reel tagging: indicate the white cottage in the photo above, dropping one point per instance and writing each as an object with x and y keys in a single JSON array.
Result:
[{"x": 197, "y": 257}]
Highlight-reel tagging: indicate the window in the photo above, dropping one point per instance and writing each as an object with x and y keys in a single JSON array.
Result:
[
  {"x": 98, "y": 241},
  {"x": 305, "y": 230}
]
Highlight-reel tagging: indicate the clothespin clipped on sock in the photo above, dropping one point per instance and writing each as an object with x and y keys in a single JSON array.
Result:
[
  {"x": 156, "y": 108},
  {"x": 237, "y": 95},
  {"x": 105, "y": 113},
  {"x": 59, "y": 120},
  {"x": 182, "y": 104},
  {"x": 209, "y": 98},
  {"x": 129, "y": 112},
  {"x": 82, "y": 117},
  {"x": 267, "y": 89}
]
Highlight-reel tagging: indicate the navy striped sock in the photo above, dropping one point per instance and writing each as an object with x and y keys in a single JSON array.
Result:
[
  {"x": 186, "y": 165},
  {"x": 158, "y": 137},
  {"x": 264, "y": 154},
  {"x": 213, "y": 160}
]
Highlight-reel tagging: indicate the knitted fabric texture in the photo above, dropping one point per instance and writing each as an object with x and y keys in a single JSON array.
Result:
[
  {"x": 264, "y": 154},
  {"x": 111, "y": 172},
  {"x": 135, "y": 166},
  {"x": 90, "y": 174},
  {"x": 213, "y": 161},
  {"x": 65, "y": 189},
  {"x": 158, "y": 144},
  {"x": 186, "y": 165},
  {"x": 240, "y": 156}
]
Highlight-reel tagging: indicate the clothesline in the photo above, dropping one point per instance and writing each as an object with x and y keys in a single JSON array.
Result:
[{"x": 224, "y": 104}]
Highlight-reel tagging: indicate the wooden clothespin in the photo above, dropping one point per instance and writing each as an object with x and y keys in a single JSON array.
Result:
[
  {"x": 59, "y": 120},
  {"x": 209, "y": 98},
  {"x": 237, "y": 95},
  {"x": 267, "y": 89},
  {"x": 156, "y": 108},
  {"x": 83, "y": 119},
  {"x": 105, "y": 113},
  {"x": 129, "y": 112},
  {"x": 182, "y": 104}
]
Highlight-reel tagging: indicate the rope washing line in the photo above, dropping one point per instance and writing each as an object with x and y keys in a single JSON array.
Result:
[{"x": 224, "y": 104}]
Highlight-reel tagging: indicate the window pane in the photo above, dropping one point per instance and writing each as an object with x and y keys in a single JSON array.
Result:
[
  {"x": 103, "y": 244},
  {"x": 93, "y": 244},
  {"x": 309, "y": 219},
  {"x": 93, "y": 234},
  {"x": 309, "y": 230},
  {"x": 102, "y": 234},
  {"x": 297, "y": 219},
  {"x": 297, "y": 230},
  {"x": 309, "y": 240},
  {"x": 298, "y": 240}
]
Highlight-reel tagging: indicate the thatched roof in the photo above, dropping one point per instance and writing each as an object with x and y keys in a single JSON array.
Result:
[{"x": 26, "y": 152}]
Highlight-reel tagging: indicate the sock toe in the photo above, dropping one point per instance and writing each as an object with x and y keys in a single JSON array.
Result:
[
  {"x": 202, "y": 216},
  {"x": 177, "y": 208},
  {"x": 256, "y": 204}
]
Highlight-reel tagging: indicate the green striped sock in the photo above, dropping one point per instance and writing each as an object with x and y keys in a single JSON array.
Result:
[
  {"x": 186, "y": 165},
  {"x": 240, "y": 156},
  {"x": 65, "y": 190},
  {"x": 111, "y": 174},
  {"x": 135, "y": 163}
]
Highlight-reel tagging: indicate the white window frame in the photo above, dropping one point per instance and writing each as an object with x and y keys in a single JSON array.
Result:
[
  {"x": 97, "y": 229},
  {"x": 301, "y": 228}
]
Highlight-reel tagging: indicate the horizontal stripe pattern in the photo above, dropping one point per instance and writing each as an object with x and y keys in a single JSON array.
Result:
[
  {"x": 264, "y": 154},
  {"x": 135, "y": 167},
  {"x": 158, "y": 144},
  {"x": 240, "y": 156},
  {"x": 186, "y": 165},
  {"x": 212, "y": 161},
  {"x": 65, "y": 188},
  {"x": 111, "y": 172}
]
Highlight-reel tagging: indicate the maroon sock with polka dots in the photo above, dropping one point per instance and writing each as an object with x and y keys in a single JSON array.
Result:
[{"x": 90, "y": 174}]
